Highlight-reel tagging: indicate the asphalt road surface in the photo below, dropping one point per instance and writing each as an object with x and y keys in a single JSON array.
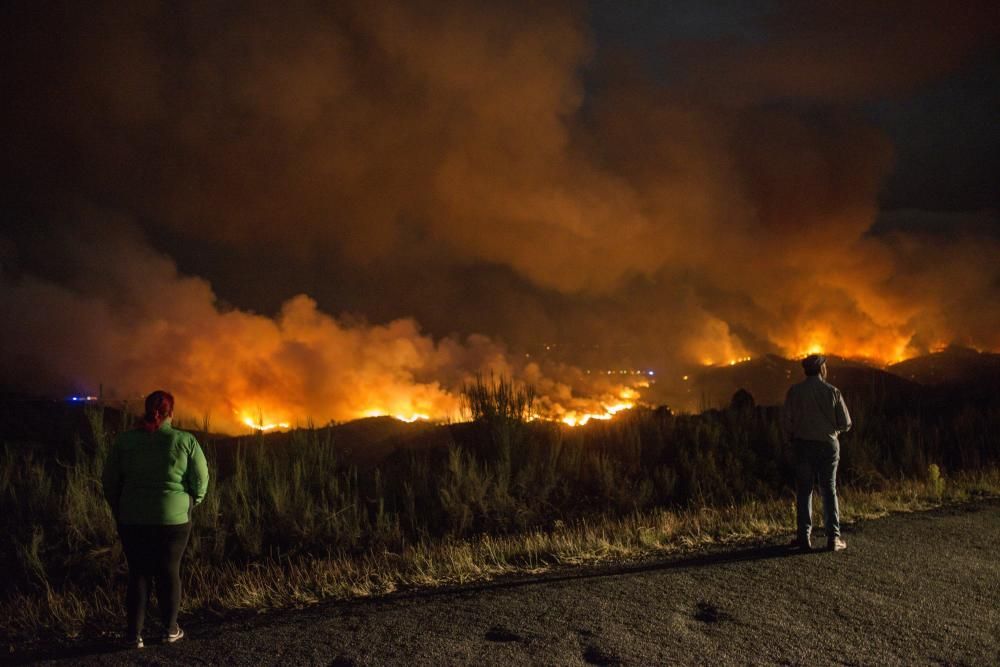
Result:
[{"x": 918, "y": 588}]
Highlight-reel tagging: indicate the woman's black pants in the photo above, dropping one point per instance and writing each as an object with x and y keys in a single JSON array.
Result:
[{"x": 153, "y": 554}]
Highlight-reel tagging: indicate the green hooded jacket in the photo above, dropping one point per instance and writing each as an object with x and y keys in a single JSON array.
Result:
[{"x": 155, "y": 478}]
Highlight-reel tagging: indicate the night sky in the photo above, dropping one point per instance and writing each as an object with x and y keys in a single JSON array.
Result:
[{"x": 353, "y": 204}]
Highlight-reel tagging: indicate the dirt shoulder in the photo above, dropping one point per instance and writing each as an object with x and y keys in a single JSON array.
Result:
[{"x": 911, "y": 588}]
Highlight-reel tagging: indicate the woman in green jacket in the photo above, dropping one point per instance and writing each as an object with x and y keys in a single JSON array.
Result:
[{"x": 153, "y": 478}]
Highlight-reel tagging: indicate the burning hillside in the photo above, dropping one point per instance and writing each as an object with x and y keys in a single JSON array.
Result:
[
  {"x": 244, "y": 370},
  {"x": 292, "y": 211}
]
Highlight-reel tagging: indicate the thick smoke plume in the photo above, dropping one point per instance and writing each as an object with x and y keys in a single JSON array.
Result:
[
  {"x": 124, "y": 315},
  {"x": 482, "y": 169}
]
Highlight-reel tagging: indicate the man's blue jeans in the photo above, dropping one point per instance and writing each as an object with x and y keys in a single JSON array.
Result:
[{"x": 816, "y": 460}]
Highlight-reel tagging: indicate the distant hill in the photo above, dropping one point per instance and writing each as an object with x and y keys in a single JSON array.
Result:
[
  {"x": 53, "y": 426},
  {"x": 362, "y": 442},
  {"x": 368, "y": 441},
  {"x": 953, "y": 365},
  {"x": 767, "y": 378}
]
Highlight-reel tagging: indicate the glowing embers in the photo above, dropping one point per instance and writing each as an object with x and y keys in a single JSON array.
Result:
[
  {"x": 731, "y": 362},
  {"x": 259, "y": 424},
  {"x": 412, "y": 418},
  {"x": 624, "y": 371},
  {"x": 264, "y": 427},
  {"x": 626, "y": 401},
  {"x": 409, "y": 419},
  {"x": 579, "y": 419}
]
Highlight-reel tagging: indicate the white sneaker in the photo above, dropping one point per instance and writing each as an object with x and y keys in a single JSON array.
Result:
[{"x": 171, "y": 637}]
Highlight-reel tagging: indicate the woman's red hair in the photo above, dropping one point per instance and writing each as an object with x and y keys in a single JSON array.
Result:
[{"x": 159, "y": 406}]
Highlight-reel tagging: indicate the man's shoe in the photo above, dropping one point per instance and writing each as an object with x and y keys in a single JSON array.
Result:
[
  {"x": 800, "y": 545},
  {"x": 171, "y": 637},
  {"x": 836, "y": 544},
  {"x": 132, "y": 642}
]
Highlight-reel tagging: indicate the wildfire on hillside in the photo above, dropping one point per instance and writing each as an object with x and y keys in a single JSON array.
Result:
[
  {"x": 580, "y": 419},
  {"x": 571, "y": 411},
  {"x": 525, "y": 223}
]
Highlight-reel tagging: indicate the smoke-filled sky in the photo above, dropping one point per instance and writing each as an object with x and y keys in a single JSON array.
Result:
[{"x": 331, "y": 209}]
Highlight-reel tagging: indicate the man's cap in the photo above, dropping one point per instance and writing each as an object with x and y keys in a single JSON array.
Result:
[{"x": 813, "y": 362}]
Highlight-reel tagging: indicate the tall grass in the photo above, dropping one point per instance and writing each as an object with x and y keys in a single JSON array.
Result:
[{"x": 288, "y": 521}]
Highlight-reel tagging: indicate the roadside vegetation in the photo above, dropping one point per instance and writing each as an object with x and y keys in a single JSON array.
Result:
[{"x": 288, "y": 522}]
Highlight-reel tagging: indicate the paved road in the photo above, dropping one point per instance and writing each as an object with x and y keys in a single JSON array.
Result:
[{"x": 911, "y": 589}]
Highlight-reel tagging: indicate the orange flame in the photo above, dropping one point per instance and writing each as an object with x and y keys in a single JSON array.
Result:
[
  {"x": 883, "y": 348},
  {"x": 626, "y": 400},
  {"x": 259, "y": 424},
  {"x": 264, "y": 427},
  {"x": 413, "y": 417},
  {"x": 579, "y": 419}
]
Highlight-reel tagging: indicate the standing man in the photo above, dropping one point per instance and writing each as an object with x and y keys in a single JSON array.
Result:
[{"x": 813, "y": 416}]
